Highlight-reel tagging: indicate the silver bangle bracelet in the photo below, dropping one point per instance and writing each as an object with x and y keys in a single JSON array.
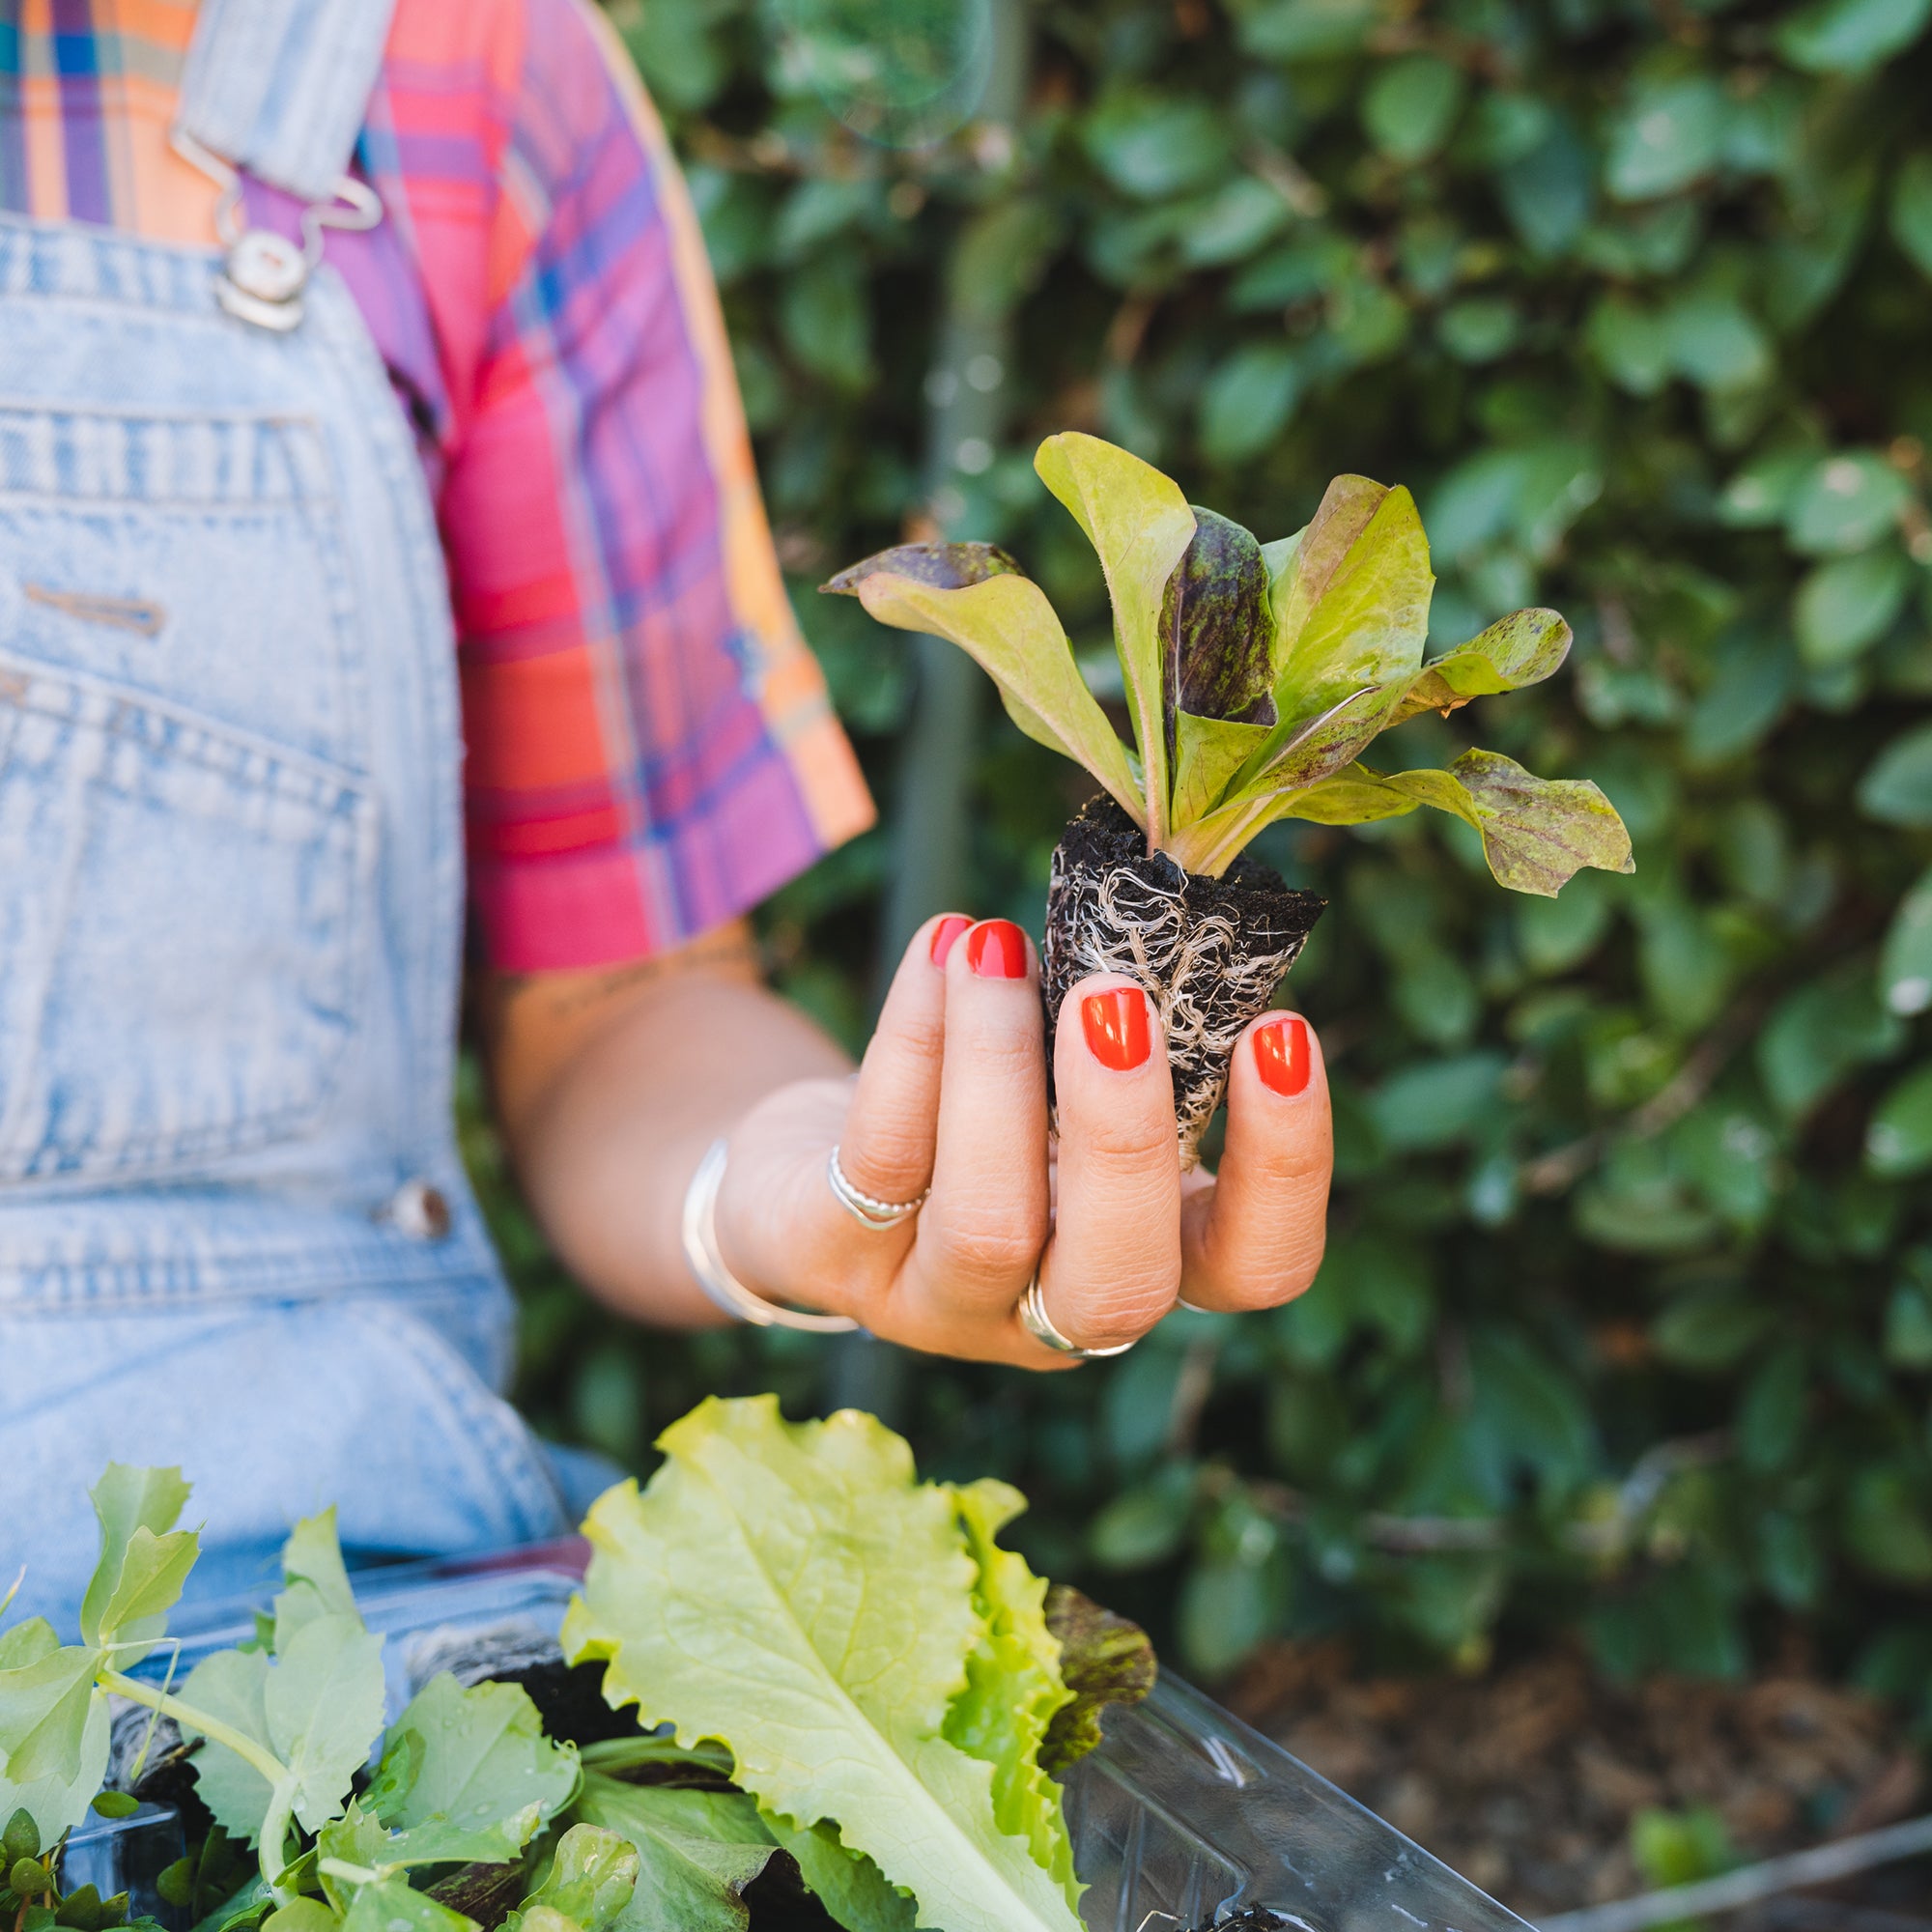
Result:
[{"x": 721, "y": 1286}]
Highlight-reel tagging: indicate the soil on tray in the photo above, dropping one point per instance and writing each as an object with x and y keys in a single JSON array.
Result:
[{"x": 1526, "y": 1780}]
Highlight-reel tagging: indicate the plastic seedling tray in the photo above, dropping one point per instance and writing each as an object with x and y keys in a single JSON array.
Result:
[{"x": 1182, "y": 1816}]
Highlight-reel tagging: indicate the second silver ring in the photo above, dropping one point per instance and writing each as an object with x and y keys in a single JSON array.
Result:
[
  {"x": 868, "y": 1210},
  {"x": 1038, "y": 1324}
]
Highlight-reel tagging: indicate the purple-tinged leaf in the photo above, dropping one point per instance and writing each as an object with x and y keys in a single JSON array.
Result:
[
  {"x": 1217, "y": 630},
  {"x": 1523, "y": 648},
  {"x": 945, "y": 566}
]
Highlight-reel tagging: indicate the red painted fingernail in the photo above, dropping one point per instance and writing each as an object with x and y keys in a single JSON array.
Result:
[
  {"x": 945, "y": 933},
  {"x": 1280, "y": 1054},
  {"x": 1116, "y": 1026},
  {"x": 996, "y": 951}
]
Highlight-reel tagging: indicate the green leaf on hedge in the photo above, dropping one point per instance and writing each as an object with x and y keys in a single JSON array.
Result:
[
  {"x": 1896, "y": 788},
  {"x": 1844, "y": 607},
  {"x": 1236, "y": 220},
  {"x": 1761, "y": 492},
  {"x": 1304, "y": 29},
  {"x": 1411, "y": 105},
  {"x": 1912, "y": 209},
  {"x": 1669, "y": 133},
  {"x": 1907, "y": 1327},
  {"x": 1710, "y": 1333},
  {"x": 1888, "y": 1524},
  {"x": 1631, "y": 343},
  {"x": 1849, "y": 35},
  {"x": 1845, "y": 502},
  {"x": 1821, "y": 1033},
  {"x": 1715, "y": 341},
  {"x": 1905, "y": 964},
  {"x": 1898, "y": 1141},
  {"x": 1248, "y": 400},
  {"x": 1153, "y": 145}
]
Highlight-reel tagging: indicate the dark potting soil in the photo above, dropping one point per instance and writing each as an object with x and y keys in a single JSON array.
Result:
[{"x": 1209, "y": 953}]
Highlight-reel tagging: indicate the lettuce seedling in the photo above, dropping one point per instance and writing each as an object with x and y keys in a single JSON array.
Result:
[{"x": 1256, "y": 678}]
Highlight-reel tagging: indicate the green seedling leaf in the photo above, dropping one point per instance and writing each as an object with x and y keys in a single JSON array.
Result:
[
  {"x": 1013, "y": 1684},
  {"x": 486, "y": 1779},
  {"x": 1208, "y": 754},
  {"x": 1104, "y": 1659},
  {"x": 139, "y": 1575},
  {"x": 1352, "y": 602},
  {"x": 315, "y": 1579},
  {"x": 21, "y": 1838},
  {"x": 794, "y": 1592},
  {"x": 1284, "y": 765},
  {"x": 316, "y": 1707},
  {"x": 592, "y": 1878},
  {"x": 395, "y": 1906},
  {"x": 846, "y": 1883},
  {"x": 1002, "y": 621},
  {"x": 1520, "y": 650},
  {"x": 1537, "y": 833},
  {"x": 302, "y": 1915},
  {"x": 695, "y": 1852},
  {"x": 45, "y": 1689},
  {"x": 1140, "y": 527},
  {"x": 1216, "y": 627},
  {"x": 230, "y": 1687}
]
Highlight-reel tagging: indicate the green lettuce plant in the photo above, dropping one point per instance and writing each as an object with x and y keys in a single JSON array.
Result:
[
  {"x": 1255, "y": 674},
  {"x": 869, "y": 1695}
]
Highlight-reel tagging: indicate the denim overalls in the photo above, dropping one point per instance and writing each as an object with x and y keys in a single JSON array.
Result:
[{"x": 234, "y": 1229}]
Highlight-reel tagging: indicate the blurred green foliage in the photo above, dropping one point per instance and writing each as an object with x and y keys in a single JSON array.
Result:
[{"x": 1626, "y": 1320}]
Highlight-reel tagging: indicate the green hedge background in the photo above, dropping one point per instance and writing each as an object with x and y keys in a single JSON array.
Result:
[{"x": 1626, "y": 1321}]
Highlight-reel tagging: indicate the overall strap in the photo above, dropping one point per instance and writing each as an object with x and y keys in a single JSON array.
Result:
[{"x": 279, "y": 87}]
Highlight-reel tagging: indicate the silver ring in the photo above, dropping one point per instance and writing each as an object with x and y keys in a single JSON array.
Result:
[
  {"x": 866, "y": 1208},
  {"x": 719, "y": 1282},
  {"x": 1035, "y": 1320}
]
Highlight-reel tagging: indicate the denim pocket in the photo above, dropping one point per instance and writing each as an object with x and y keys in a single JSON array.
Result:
[
  {"x": 186, "y": 840},
  {"x": 179, "y": 914}
]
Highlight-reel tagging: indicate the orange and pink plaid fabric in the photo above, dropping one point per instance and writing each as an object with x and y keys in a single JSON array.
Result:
[{"x": 650, "y": 745}]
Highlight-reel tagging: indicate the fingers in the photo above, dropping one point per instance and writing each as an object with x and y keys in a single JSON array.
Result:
[
  {"x": 1255, "y": 1238},
  {"x": 886, "y": 1147},
  {"x": 1114, "y": 1266},
  {"x": 780, "y": 1227},
  {"x": 981, "y": 1232}
]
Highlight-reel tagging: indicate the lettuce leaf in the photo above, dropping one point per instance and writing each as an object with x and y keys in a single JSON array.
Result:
[
  {"x": 1537, "y": 833},
  {"x": 794, "y": 1592},
  {"x": 1013, "y": 1682},
  {"x": 696, "y": 1851},
  {"x": 975, "y": 596},
  {"x": 1140, "y": 527},
  {"x": 1104, "y": 1659}
]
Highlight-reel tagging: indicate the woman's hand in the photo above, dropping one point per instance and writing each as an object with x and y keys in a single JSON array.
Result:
[
  {"x": 611, "y": 1084},
  {"x": 952, "y": 1096}
]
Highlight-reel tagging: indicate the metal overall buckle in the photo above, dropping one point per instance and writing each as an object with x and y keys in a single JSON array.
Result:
[{"x": 264, "y": 275}]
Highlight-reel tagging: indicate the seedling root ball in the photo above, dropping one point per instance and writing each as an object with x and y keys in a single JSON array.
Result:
[{"x": 1209, "y": 953}]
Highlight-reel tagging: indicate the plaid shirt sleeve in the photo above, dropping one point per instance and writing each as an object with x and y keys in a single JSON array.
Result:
[{"x": 651, "y": 750}]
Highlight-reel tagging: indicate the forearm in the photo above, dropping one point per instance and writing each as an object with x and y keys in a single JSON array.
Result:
[{"x": 610, "y": 1089}]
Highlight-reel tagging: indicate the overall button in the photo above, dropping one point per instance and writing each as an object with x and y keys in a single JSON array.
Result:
[{"x": 418, "y": 1210}]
